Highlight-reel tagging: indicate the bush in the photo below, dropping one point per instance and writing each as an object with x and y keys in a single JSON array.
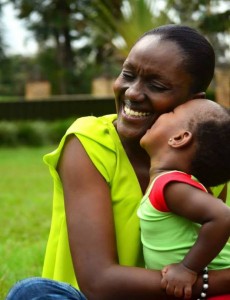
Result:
[
  {"x": 58, "y": 129},
  {"x": 8, "y": 134},
  {"x": 32, "y": 133}
]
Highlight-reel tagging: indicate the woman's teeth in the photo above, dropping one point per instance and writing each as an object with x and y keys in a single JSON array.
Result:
[{"x": 130, "y": 112}]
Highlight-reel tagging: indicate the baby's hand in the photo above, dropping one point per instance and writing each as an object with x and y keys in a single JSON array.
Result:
[{"x": 178, "y": 280}]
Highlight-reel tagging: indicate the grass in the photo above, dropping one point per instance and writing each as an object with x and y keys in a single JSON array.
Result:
[{"x": 25, "y": 213}]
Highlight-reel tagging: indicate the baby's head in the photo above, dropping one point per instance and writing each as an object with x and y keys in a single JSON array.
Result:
[
  {"x": 199, "y": 131},
  {"x": 211, "y": 161}
]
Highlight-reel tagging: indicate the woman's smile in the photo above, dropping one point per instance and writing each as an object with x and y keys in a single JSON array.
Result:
[{"x": 134, "y": 113}]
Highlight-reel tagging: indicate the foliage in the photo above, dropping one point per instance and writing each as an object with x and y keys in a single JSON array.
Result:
[
  {"x": 32, "y": 133},
  {"x": 53, "y": 22},
  {"x": 84, "y": 39},
  {"x": 123, "y": 29},
  {"x": 2, "y": 44},
  {"x": 14, "y": 73},
  {"x": 57, "y": 25},
  {"x": 211, "y": 17},
  {"x": 8, "y": 134}
]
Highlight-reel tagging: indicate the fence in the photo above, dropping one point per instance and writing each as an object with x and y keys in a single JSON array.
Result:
[{"x": 56, "y": 108}]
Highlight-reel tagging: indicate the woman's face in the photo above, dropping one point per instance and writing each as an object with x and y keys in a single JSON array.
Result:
[{"x": 152, "y": 81}]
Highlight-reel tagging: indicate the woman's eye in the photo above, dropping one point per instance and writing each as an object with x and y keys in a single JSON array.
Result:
[
  {"x": 127, "y": 75},
  {"x": 157, "y": 87}
]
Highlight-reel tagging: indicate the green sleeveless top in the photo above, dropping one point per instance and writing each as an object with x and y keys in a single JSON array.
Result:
[
  {"x": 166, "y": 236},
  {"x": 101, "y": 142}
]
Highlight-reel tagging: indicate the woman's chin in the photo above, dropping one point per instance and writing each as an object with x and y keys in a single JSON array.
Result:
[{"x": 129, "y": 132}]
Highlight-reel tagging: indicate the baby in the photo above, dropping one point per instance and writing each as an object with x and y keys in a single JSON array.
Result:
[{"x": 183, "y": 227}]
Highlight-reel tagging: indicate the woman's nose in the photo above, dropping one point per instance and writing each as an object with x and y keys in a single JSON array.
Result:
[{"x": 135, "y": 92}]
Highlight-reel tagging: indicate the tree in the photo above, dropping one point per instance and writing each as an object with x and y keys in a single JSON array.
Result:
[
  {"x": 56, "y": 23},
  {"x": 57, "y": 26},
  {"x": 123, "y": 29},
  {"x": 211, "y": 17}
]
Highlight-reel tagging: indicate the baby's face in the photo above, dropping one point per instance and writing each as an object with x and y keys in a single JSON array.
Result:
[{"x": 172, "y": 123}]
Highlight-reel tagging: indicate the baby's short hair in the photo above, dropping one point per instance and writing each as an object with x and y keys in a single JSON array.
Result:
[{"x": 211, "y": 163}]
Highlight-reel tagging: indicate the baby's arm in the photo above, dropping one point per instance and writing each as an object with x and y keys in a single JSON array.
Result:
[{"x": 214, "y": 216}]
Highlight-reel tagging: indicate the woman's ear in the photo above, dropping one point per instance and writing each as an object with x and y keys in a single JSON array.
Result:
[{"x": 181, "y": 139}]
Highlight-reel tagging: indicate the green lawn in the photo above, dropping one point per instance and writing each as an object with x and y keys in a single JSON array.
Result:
[{"x": 25, "y": 213}]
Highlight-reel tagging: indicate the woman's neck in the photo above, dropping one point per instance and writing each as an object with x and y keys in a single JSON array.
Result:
[{"x": 139, "y": 160}]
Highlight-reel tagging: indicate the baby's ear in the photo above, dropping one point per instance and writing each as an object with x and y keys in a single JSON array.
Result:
[{"x": 180, "y": 139}]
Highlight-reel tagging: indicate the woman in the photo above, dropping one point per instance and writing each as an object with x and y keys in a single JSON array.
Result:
[{"x": 100, "y": 174}]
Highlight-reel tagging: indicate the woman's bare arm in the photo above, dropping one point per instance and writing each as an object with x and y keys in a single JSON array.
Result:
[{"x": 92, "y": 237}]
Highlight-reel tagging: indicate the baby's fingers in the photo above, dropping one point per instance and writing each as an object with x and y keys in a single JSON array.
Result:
[
  {"x": 164, "y": 283},
  {"x": 164, "y": 270},
  {"x": 188, "y": 292},
  {"x": 178, "y": 291},
  {"x": 171, "y": 290}
]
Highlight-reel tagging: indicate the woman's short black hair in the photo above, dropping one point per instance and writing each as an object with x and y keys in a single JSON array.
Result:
[
  {"x": 211, "y": 163},
  {"x": 199, "y": 56}
]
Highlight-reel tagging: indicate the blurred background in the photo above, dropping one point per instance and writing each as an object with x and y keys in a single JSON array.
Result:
[
  {"x": 67, "y": 47},
  {"x": 58, "y": 60}
]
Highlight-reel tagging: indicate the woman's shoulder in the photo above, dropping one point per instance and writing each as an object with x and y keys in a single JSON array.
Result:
[
  {"x": 97, "y": 135},
  {"x": 99, "y": 130},
  {"x": 92, "y": 124}
]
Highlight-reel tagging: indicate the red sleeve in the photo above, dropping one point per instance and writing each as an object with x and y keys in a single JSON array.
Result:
[{"x": 156, "y": 195}]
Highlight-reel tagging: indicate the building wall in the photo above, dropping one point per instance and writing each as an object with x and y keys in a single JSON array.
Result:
[{"x": 222, "y": 87}]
